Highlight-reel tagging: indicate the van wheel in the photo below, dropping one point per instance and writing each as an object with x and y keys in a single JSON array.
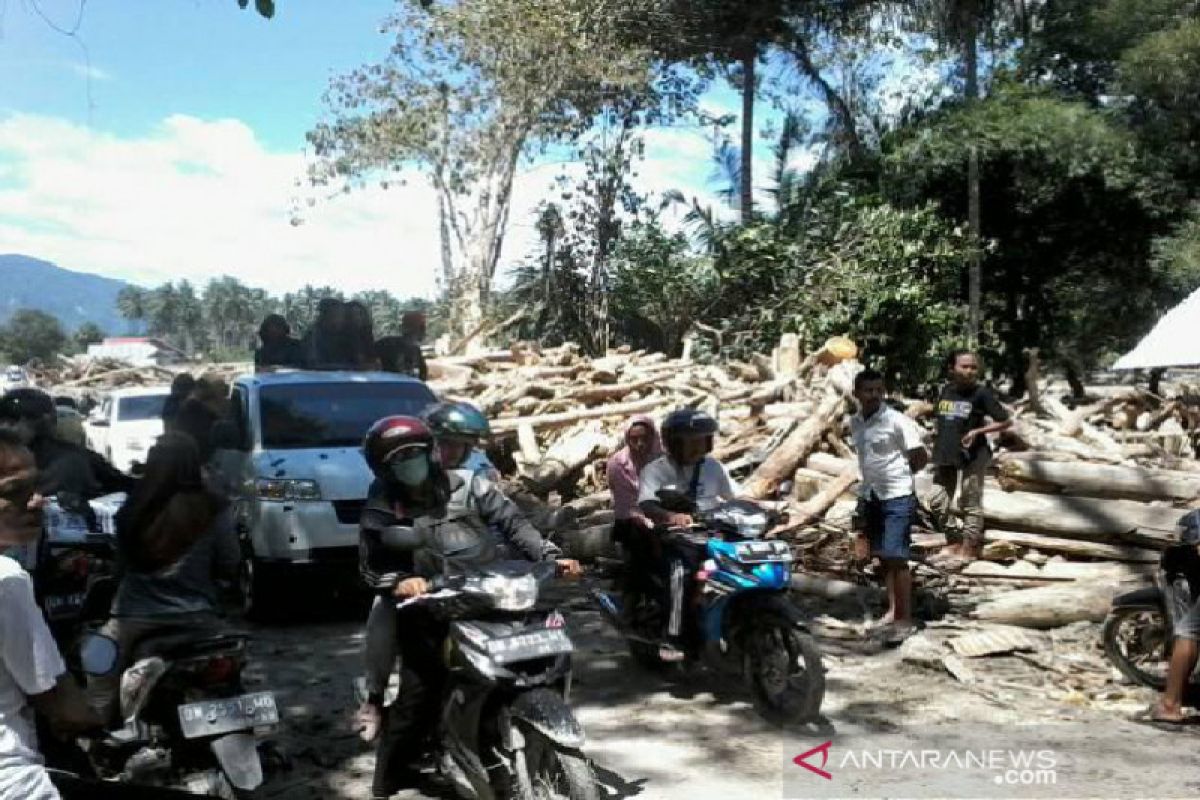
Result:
[{"x": 258, "y": 585}]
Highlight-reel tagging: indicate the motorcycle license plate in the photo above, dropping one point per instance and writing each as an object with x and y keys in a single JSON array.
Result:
[
  {"x": 535, "y": 643},
  {"x": 59, "y": 606},
  {"x": 214, "y": 717}
]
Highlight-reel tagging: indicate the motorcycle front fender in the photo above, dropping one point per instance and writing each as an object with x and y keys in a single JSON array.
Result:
[
  {"x": 548, "y": 714},
  {"x": 1146, "y": 597},
  {"x": 237, "y": 753}
]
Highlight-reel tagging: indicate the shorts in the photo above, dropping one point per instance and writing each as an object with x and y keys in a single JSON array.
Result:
[
  {"x": 1184, "y": 610},
  {"x": 888, "y": 524}
]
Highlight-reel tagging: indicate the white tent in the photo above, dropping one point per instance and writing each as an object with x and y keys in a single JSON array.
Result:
[{"x": 1174, "y": 342}]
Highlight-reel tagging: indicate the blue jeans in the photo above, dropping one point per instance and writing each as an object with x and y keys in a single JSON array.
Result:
[{"x": 888, "y": 524}]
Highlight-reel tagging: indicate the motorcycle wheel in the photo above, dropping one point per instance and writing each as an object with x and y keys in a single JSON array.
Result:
[
  {"x": 259, "y": 588},
  {"x": 552, "y": 772},
  {"x": 1135, "y": 637},
  {"x": 783, "y": 666}
]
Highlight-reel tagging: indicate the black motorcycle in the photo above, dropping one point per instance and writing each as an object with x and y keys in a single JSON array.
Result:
[
  {"x": 506, "y": 730},
  {"x": 1138, "y": 632},
  {"x": 189, "y": 720}
]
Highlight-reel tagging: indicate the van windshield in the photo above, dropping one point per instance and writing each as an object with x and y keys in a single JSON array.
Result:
[
  {"x": 316, "y": 415},
  {"x": 136, "y": 409}
]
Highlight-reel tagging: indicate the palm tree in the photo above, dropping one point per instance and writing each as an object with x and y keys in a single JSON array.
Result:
[{"x": 131, "y": 303}]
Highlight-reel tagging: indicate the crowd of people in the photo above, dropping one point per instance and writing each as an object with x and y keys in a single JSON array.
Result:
[
  {"x": 433, "y": 483},
  {"x": 343, "y": 337}
]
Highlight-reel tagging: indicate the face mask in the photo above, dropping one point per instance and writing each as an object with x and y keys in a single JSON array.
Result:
[{"x": 411, "y": 471}]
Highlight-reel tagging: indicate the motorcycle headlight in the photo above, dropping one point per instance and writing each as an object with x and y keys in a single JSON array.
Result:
[{"x": 510, "y": 594}]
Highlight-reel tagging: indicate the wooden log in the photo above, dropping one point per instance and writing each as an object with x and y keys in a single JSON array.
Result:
[
  {"x": 1032, "y": 377},
  {"x": 565, "y": 456},
  {"x": 1074, "y": 547},
  {"x": 1089, "y": 518},
  {"x": 815, "y": 507},
  {"x": 509, "y": 426},
  {"x": 589, "y": 395},
  {"x": 782, "y": 463},
  {"x": 1050, "y": 606},
  {"x": 1085, "y": 432},
  {"x": 830, "y": 588},
  {"x": 829, "y": 464},
  {"x": 1102, "y": 480},
  {"x": 527, "y": 440}
]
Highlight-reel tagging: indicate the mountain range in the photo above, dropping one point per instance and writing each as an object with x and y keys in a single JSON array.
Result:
[{"x": 73, "y": 297}]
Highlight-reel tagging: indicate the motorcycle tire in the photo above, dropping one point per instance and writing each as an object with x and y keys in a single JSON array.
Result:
[
  {"x": 225, "y": 790},
  {"x": 553, "y": 772},
  {"x": 1116, "y": 654},
  {"x": 784, "y": 698}
]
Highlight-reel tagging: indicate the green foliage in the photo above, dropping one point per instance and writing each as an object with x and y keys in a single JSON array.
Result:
[
  {"x": 87, "y": 333},
  {"x": 1070, "y": 206},
  {"x": 30, "y": 335}
]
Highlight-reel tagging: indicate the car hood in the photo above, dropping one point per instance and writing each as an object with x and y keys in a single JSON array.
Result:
[
  {"x": 341, "y": 473},
  {"x": 139, "y": 429}
]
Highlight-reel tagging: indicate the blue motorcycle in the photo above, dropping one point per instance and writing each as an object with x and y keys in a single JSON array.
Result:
[{"x": 739, "y": 620}]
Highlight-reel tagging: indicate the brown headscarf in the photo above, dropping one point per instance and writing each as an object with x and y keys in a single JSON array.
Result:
[{"x": 170, "y": 509}]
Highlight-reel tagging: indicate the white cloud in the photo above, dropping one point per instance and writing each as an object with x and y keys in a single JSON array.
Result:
[
  {"x": 199, "y": 198},
  {"x": 88, "y": 71}
]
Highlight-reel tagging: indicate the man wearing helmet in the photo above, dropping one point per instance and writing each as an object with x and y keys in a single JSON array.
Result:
[
  {"x": 413, "y": 502},
  {"x": 1181, "y": 561},
  {"x": 686, "y": 468},
  {"x": 459, "y": 429}
]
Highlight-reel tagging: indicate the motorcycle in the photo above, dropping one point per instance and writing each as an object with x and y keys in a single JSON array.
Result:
[
  {"x": 188, "y": 718},
  {"x": 740, "y": 620},
  {"x": 506, "y": 730},
  {"x": 1138, "y": 631}
]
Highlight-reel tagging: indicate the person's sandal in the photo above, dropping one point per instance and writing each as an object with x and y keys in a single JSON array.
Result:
[{"x": 370, "y": 721}]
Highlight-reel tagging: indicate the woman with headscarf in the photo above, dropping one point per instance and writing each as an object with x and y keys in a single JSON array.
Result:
[
  {"x": 175, "y": 539},
  {"x": 631, "y": 528}
]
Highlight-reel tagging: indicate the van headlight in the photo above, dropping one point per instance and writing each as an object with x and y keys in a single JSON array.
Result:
[
  {"x": 280, "y": 489},
  {"x": 510, "y": 594}
]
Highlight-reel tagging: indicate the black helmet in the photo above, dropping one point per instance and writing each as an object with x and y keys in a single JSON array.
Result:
[
  {"x": 29, "y": 404},
  {"x": 1189, "y": 528},
  {"x": 686, "y": 422}
]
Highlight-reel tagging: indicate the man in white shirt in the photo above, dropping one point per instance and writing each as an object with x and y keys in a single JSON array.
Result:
[
  {"x": 686, "y": 469},
  {"x": 32, "y": 672},
  {"x": 890, "y": 451}
]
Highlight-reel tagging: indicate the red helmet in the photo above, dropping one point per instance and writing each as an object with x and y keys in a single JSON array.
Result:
[{"x": 390, "y": 435}]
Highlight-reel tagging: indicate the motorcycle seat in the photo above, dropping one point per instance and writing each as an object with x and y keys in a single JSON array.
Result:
[{"x": 174, "y": 646}]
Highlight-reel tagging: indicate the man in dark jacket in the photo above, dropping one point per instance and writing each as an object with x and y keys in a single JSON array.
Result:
[
  {"x": 279, "y": 348},
  {"x": 181, "y": 389},
  {"x": 74, "y": 474},
  {"x": 402, "y": 353},
  {"x": 208, "y": 404},
  {"x": 412, "y": 503}
]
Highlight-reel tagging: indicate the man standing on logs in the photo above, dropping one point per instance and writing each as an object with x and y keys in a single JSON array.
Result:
[
  {"x": 889, "y": 451},
  {"x": 961, "y": 451}
]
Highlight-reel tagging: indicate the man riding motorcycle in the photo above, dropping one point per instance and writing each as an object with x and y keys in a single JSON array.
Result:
[
  {"x": 685, "y": 468},
  {"x": 413, "y": 502},
  {"x": 71, "y": 472},
  {"x": 460, "y": 429}
]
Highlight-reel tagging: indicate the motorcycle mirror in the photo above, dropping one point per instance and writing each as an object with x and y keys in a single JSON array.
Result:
[{"x": 98, "y": 654}]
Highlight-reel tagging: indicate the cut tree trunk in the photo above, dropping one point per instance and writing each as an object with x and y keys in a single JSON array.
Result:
[
  {"x": 589, "y": 395},
  {"x": 1077, "y": 548},
  {"x": 509, "y": 425},
  {"x": 1050, "y": 606},
  {"x": 565, "y": 456},
  {"x": 782, "y": 463},
  {"x": 815, "y": 507},
  {"x": 1090, "y": 518},
  {"x": 1101, "y": 480}
]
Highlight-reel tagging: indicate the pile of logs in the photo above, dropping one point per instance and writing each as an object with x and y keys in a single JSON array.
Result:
[{"x": 1077, "y": 505}]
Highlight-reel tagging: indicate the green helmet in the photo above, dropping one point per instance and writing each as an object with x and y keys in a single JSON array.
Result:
[{"x": 457, "y": 421}]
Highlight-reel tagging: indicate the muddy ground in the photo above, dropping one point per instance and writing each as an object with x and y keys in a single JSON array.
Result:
[{"x": 651, "y": 739}]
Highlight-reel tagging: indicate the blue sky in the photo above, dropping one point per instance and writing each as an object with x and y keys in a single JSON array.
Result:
[{"x": 175, "y": 147}]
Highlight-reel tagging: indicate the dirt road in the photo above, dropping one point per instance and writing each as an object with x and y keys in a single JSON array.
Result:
[{"x": 656, "y": 741}]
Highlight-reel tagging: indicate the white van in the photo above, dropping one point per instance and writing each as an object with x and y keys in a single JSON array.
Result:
[
  {"x": 293, "y": 455},
  {"x": 126, "y": 425}
]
